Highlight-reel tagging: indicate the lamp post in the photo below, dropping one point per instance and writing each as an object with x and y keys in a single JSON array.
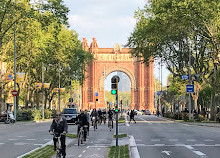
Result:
[
  {"x": 59, "y": 89},
  {"x": 43, "y": 89},
  {"x": 15, "y": 108}
]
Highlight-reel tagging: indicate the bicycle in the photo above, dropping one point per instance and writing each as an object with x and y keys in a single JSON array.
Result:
[
  {"x": 94, "y": 122},
  {"x": 58, "y": 144},
  {"x": 81, "y": 134}
]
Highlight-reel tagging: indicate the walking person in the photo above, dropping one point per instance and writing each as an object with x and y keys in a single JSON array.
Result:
[{"x": 132, "y": 116}]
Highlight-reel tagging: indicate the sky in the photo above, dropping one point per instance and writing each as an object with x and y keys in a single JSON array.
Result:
[{"x": 109, "y": 21}]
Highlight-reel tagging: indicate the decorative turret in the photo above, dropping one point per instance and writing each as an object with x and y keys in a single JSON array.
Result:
[
  {"x": 85, "y": 45},
  {"x": 94, "y": 43}
]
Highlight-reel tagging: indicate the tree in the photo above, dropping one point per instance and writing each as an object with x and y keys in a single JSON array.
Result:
[{"x": 173, "y": 29}]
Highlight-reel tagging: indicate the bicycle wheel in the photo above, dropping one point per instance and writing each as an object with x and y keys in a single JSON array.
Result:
[
  {"x": 58, "y": 152},
  {"x": 82, "y": 135},
  {"x": 79, "y": 135}
]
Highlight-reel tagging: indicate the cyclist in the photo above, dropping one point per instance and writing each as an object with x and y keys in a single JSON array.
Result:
[
  {"x": 82, "y": 121},
  {"x": 100, "y": 115},
  {"x": 58, "y": 126},
  {"x": 94, "y": 114},
  {"x": 110, "y": 116},
  {"x": 104, "y": 115},
  {"x": 88, "y": 118}
]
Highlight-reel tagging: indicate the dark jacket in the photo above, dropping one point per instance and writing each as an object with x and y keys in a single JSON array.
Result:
[
  {"x": 59, "y": 127},
  {"x": 82, "y": 119},
  {"x": 94, "y": 114}
]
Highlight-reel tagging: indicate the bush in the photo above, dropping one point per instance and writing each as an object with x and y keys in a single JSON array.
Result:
[
  {"x": 47, "y": 114},
  {"x": 37, "y": 114}
]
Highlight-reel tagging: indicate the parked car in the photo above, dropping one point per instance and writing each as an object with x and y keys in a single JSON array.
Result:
[
  {"x": 70, "y": 114},
  {"x": 147, "y": 112}
]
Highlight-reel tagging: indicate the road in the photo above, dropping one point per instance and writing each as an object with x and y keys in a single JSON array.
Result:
[
  {"x": 19, "y": 138},
  {"x": 159, "y": 138}
]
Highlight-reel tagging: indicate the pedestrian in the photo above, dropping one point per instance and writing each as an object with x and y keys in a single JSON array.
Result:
[
  {"x": 132, "y": 116},
  {"x": 59, "y": 126}
]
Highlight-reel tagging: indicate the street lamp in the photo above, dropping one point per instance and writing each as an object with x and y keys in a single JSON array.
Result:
[{"x": 14, "y": 74}]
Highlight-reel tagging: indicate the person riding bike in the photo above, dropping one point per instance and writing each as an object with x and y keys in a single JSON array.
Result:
[
  {"x": 88, "y": 119},
  {"x": 94, "y": 114},
  {"x": 59, "y": 126},
  {"x": 104, "y": 115},
  {"x": 82, "y": 122},
  {"x": 100, "y": 115},
  {"x": 110, "y": 116}
]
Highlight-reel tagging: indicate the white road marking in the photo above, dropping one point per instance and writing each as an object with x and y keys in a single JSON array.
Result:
[
  {"x": 84, "y": 151},
  {"x": 199, "y": 145},
  {"x": 133, "y": 146},
  {"x": 138, "y": 140},
  {"x": 199, "y": 153},
  {"x": 126, "y": 121},
  {"x": 191, "y": 140},
  {"x": 30, "y": 139},
  {"x": 141, "y": 145},
  {"x": 173, "y": 140},
  {"x": 2, "y": 143},
  {"x": 20, "y": 136},
  {"x": 87, "y": 147},
  {"x": 20, "y": 143},
  {"x": 39, "y": 144},
  {"x": 80, "y": 156},
  {"x": 166, "y": 152},
  {"x": 47, "y": 139},
  {"x": 208, "y": 140},
  {"x": 155, "y": 140},
  {"x": 12, "y": 139},
  {"x": 145, "y": 121},
  {"x": 189, "y": 147},
  {"x": 159, "y": 144}
]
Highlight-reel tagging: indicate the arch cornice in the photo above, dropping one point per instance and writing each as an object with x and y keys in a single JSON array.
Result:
[{"x": 117, "y": 68}]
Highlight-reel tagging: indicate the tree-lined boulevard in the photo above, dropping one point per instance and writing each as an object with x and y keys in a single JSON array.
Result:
[{"x": 154, "y": 137}]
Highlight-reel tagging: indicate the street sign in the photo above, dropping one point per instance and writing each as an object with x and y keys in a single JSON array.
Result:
[
  {"x": 158, "y": 92},
  {"x": 190, "y": 88},
  {"x": 14, "y": 93},
  {"x": 96, "y": 94},
  {"x": 185, "y": 77}
]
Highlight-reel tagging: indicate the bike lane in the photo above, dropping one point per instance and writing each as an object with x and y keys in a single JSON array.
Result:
[{"x": 96, "y": 145}]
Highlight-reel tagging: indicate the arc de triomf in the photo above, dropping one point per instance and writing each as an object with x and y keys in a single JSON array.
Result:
[{"x": 109, "y": 60}]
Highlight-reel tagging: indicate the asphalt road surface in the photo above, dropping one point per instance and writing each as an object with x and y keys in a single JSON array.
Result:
[{"x": 159, "y": 138}]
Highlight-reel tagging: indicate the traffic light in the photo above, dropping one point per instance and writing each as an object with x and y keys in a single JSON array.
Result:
[
  {"x": 116, "y": 108},
  {"x": 114, "y": 85},
  {"x": 96, "y": 99}
]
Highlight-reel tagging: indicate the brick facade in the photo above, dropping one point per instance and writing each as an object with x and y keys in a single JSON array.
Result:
[{"x": 117, "y": 59}]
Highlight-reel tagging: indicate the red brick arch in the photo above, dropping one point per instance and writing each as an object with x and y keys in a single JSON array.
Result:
[{"x": 109, "y": 60}]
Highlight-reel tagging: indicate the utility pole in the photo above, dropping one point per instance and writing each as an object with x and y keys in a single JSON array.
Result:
[
  {"x": 189, "y": 84},
  {"x": 59, "y": 89},
  {"x": 116, "y": 112},
  {"x": 161, "y": 85},
  {"x": 15, "y": 108},
  {"x": 43, "y": 89}
]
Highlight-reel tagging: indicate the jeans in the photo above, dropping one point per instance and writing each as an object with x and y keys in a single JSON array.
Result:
[{"x": 63, "y": 144}]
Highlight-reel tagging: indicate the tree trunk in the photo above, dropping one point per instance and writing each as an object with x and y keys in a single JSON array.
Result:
[{"x": 212, "y": 107}]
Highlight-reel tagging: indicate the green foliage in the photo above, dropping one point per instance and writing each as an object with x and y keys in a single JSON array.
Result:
[
  {"x": 71, "y": 135},
  {"x": 45, "y": 152},
  {"x": 119, "y": 152}
]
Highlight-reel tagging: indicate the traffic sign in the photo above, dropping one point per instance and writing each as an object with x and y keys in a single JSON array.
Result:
[
  {"x": 96, "y": 94},
  {"x": 14, "y": 93},
  {"x": 185, "y": 77},
  {"x": 190, "y": 88}
]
